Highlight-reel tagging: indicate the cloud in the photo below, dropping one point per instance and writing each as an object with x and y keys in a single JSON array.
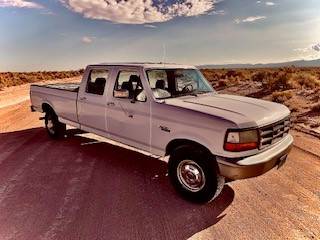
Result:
[
  {"x": 87, "y": 39},
  {"x": 150, "y": 26},
  {"x": 139, "y": 11},
  {"x": 249, "y": 19},
  {"x": 254, "y": 18},
  {"x": 237, "y": 20},
  {"x": 270, "y": 3},
  {"x": 19, "y": 4},
  {"x": 48, "y": 12},
  {"x": 218, "y": 12},
  {"x": 316, "y": 47},
  {"x": 302, "y": 50}
]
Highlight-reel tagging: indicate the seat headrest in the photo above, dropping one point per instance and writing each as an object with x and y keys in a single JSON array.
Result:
[
  {"x": 127, "y": 86},
  {"x": 160, "y": 84},
  {"x": 100, "y": 81},
  {"x": 134, "y": 78}
]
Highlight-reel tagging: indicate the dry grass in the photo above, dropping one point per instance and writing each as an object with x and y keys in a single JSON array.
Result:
[
  {"x": 305, "y": 80},
  {"x": 281, "y": 97},
  {"x": 8, "y": 79},
  {"x": 273, "y": 79}
]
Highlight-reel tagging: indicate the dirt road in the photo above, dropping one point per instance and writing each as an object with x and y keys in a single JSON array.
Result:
[{"x": 80, "y": 188}]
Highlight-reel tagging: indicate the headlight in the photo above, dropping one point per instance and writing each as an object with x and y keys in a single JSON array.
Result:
[{"x": 237, "y": 140}]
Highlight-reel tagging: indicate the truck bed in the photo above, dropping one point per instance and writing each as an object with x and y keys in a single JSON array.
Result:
[
  {"x": 72, "y": 87},
  {"x": 62, "y": 97}
]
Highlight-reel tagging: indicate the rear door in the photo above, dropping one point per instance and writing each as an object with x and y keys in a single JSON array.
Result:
[
  {"x": 92, "y": 97},
  {"x": 129, "y": 118}
]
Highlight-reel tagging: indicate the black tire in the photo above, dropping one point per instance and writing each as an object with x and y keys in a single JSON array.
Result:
[
  {"x": 185, "y": 161},
  {"x": 55, "y": 129}
]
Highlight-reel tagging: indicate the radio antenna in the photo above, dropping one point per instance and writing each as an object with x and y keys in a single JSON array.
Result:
[{"x": 164, "y": 54}]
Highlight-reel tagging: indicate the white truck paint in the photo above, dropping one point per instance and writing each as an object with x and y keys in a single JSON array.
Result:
[{"x": 153, "y": 125}]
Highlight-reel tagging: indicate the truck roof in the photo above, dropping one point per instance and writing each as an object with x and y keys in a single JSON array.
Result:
[{"x": 146, "y": 65}]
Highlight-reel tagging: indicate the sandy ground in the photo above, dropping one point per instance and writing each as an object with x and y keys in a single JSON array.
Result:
[
  {"x": 14, "y": 95},
  {"x": 80, "y": 188}
]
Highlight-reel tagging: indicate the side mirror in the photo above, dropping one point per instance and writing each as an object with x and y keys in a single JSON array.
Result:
[
  {"x": 141, "y": 97},
  {"x": 123, "y": 93}
]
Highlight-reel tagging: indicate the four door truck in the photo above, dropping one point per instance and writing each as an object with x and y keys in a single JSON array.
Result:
[{"x": 172, "y": 110}]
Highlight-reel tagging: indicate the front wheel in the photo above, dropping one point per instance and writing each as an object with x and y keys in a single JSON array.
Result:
[
  {"x": 55, "y": 129},
  {"x": 194, "y": 174}
]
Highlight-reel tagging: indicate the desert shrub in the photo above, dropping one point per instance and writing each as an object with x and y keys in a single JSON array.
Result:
[
  {"x": 315, "y": 125},
  {"x": 259, "y": 76},
  {"x": 281, "y": 97},
  {"x": 235, "y": 74},
  {"x": 293, "y": 108},
  {"x": 8, "y": 79},
  {"x": 316, "y": 107},
  {"x": 305, "y": 79},
  {"x": 231, "y": 73},
  {"x": 315, "y": 95},
  {"x": 221, "y": 84},
  {"x": 280, "y": 82}
]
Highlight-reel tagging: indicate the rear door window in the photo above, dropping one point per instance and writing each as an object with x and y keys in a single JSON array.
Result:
[{"x": 129, "y": 80}]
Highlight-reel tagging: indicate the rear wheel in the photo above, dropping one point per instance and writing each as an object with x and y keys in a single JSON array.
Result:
[
  {"x": 194, "y": 174},
  {"x": 55, "y": 129}
]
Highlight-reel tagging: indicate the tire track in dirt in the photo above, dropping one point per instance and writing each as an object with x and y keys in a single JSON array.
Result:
[
  {"x": 7, "y": 188},
  {"x": 71, "y": 201}
]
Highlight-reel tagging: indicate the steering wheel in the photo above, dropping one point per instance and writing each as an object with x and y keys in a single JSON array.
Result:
[{"x": 187, "y": 88}]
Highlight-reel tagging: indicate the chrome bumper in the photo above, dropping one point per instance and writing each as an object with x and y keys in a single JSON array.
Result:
[{"x": 257, "y": 164}]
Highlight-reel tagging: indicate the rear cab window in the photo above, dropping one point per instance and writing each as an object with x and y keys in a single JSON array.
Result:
[{"x": 97, "y": 80}]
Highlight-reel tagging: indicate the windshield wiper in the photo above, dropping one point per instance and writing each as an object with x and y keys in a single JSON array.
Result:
[
  {"x": 203, "y": 92},
  {"x": 188, "y": 94}
]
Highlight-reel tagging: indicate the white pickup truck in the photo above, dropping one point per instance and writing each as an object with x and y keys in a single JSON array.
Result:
[{"x": 171, "y": 110}]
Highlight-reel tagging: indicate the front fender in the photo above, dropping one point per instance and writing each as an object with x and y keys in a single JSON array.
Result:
[{"x": 197, "y": 138}]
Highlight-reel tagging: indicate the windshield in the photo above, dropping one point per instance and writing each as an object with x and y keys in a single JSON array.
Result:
[{"x": 170, "y": 83}]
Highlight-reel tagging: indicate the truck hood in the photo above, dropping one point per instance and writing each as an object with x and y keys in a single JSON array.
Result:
[{"x": 243, "y": 111}]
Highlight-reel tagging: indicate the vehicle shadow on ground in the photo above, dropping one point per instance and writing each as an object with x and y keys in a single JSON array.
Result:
[{"x": 120, "y": 194}]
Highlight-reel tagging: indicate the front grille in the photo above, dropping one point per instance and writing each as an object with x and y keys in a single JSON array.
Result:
[{"x": 274, "y": 133}]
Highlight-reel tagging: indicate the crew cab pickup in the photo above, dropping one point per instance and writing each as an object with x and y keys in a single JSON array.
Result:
[{"x": 171, "y": 110}]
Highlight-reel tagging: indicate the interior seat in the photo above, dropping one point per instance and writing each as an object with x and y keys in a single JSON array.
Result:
[
  {"x": 161, "y": 84},
  {"x": 100, "y": 84},
  {"x": 127, "y": 86}
]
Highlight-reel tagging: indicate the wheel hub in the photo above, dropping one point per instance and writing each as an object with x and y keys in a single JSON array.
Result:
[{"x": 191, "y": 175}]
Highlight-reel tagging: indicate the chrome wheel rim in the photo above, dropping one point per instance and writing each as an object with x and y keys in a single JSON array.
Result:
[{"x": 191, "y": 175}]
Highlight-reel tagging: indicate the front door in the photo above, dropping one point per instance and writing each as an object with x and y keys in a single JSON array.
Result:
[
  {"x": 129, "y": 116},
  {"x": 92, "y": 108}
]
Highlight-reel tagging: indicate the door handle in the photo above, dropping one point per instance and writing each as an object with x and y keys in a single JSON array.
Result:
[
  {"x": 110, "y": 104},
  {"x": 83, "y": 98}
]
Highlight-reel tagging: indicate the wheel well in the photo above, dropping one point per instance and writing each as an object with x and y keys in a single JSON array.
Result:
[
  {"x": 47, "y": 108},
  {"x": 179, "y": 142}
]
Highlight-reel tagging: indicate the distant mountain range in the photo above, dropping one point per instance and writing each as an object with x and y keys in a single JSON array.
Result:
[{"x": 298, "y": 63}]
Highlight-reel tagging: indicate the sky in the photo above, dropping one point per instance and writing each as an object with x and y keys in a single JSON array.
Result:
[{"x": 69, "y": 34}]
